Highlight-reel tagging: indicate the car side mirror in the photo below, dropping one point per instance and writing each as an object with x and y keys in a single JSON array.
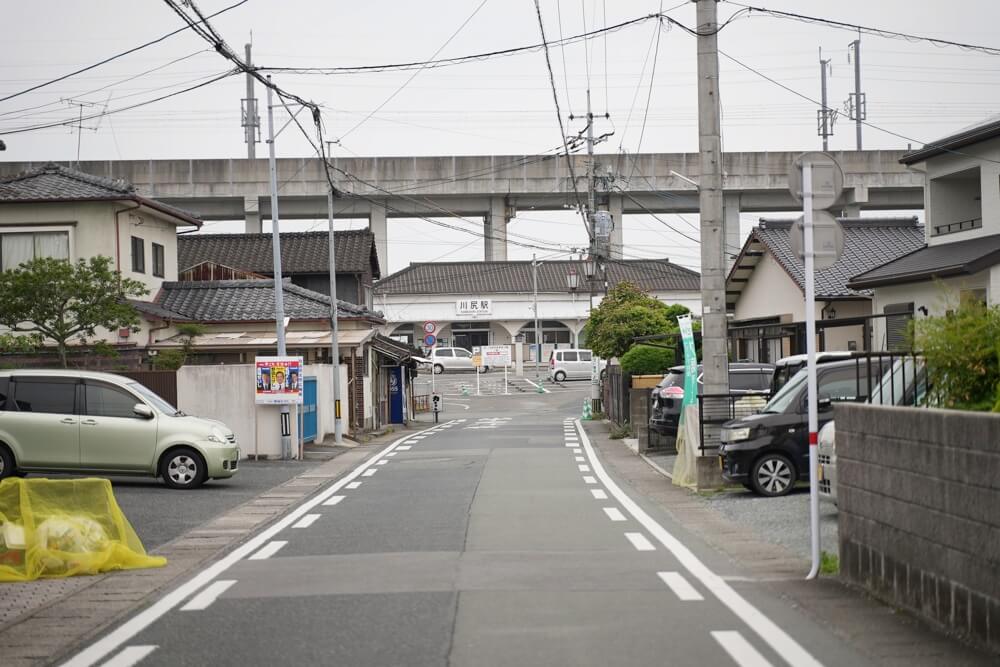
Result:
[{"x": 143, "y": 410}]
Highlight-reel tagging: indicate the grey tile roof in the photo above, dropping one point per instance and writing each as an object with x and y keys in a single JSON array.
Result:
[
  {"x": 868, "y": 243},
  {"x": 57, "y": 183},
  {"x": 478, "y": 278},
  {"x": 937, "y": 261},
  {"x": 987, "y": 129},
  {"x": 248, "y": 301},
  {"x": 301, "y": 252}
]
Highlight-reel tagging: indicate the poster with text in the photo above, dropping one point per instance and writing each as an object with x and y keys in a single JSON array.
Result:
[{"x": 278, "y": 380}]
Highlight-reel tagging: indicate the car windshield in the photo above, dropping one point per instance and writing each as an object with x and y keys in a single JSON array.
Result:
[
  {"x": 786, "y": 395},
  {"x": 152, "y": 397}
]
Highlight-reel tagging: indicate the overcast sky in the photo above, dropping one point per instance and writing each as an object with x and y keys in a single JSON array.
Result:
[{"x": 495, "y": 106}]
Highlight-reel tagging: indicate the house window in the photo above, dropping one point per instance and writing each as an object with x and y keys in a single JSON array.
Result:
[
  {"x": 158, "y": 263},
  {"x": 16, "y": 248},
  {"x": 897, "y": 325},
  {"x": 138, "y": 255}
]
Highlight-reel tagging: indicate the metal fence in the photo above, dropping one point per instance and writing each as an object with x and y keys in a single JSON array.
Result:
[
  {"x": 163, "y": 383},
  {"x": 616, "y": 394},
  {"x": 714, "y": 410}
]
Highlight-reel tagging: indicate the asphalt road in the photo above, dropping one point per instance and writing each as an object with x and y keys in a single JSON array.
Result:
[{"x": 494, "y": 538}]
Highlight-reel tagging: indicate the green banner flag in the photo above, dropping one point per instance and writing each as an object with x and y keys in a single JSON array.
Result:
[{"x": 690, "y": 362}]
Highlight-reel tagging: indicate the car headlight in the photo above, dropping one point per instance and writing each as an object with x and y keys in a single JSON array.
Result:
[
  {"x": 736, "y": 434},
  {"x": 217, "y": 436}
]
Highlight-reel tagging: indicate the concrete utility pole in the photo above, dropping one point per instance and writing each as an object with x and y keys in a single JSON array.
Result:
[
  {"x": 250, "y": 122},
  {"x": 715, "y": 359},
  {"x": 857, "y": 104},
  {"x": 338, "y": 424},
  {"x": 825, "y": 113},
  {"x": 279, "y": 296},
  {"x": 538, "y": 331}
]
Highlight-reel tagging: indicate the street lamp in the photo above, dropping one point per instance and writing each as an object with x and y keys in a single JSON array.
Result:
[{"x": 572, "y": 279}]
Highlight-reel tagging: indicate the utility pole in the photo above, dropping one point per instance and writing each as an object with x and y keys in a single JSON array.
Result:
[
  {"x": 715, "y": 359},
  {"x": 251, "y": 123},
  {"x": 338, "y": 425},
  {"x": 538, "y": 331},
  {"x": 79, "y": 124},
  {"x": 279, "y": 296},
  {"x": 857, "y": 104},
  {"x": 826, "y": 116}
]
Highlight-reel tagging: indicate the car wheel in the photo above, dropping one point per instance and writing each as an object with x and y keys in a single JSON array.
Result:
[
  {"x": 6, "y": 463},
  {"x": 559, "y": 376},
  {"x": 438, "y": 369},
  {"x": 773, "y": 475},
  {"x": 183, "y": 468}
]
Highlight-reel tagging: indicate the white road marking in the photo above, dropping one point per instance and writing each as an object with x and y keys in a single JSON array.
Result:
[
  {"x": 614, "y": 514},
  {"x": 739, "y": 649},
  {"x": 307, "y": 520},
  {"x": 537, "y": 386},
  {"x": 369, "y": 472},
  {"x": 584, "y": 468},
  {"x": 333, "y": 501},
  {"x": 353, "y": 485},
  {"x": 131, "y": 655},
  {"x": 599, "y": 494},
  {"x": 382, "y": 462},
  {"x": 404, "y": 448},
  {"x": 392, "y": 453},
  {"x": 775, "y": 637},
  {"x": 589, "y": 480},
  {"x": 577, "y": 451},
  {"x": 136, "y": 624},
  {"x": 412, "y": 442},
  {"x": 680, "y": 586},
  {"x": 640, "y": 542},
  {"x": 202, "y": 600},
  {"x": 580, "y": 459},
  {"x": 572, "y": 444},
  {"x": 268, "y": 551}
]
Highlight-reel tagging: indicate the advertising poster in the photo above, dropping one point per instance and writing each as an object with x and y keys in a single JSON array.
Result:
[{"x": 278, "y": 380}]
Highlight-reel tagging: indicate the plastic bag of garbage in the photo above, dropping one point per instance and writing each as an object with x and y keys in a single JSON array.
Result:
[{"x": 61, "y": 528}]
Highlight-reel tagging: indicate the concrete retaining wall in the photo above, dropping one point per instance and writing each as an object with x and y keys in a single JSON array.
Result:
[{"x": 919, "y": 492}]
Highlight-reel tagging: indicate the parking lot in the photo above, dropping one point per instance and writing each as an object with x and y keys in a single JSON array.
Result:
[{"x": 463, "y": 385}]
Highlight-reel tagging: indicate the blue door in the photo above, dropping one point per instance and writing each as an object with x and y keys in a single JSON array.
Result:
[
  {"x": 397, "y": 395},
  {"x": 309, "y": 410}
]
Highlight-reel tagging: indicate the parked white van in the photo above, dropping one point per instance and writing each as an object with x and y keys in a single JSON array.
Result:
[{"x": 572, "y": 365}]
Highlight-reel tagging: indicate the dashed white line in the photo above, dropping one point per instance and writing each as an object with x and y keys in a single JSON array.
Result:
[
  {"x": 353, "y": 485},
  {"x": 333, "y": 501},
  {"x": 578, "y": 451},
  {"x": 268, "y": 550},
  {"x": 130, "y": 655},
  {"x": 589, "y": 480},
  {"x": 307, "y": 520},
  {"x": 392, "y": 453},
  {"x": 369, "y": 472},
  {"x": 739, "y": 649},
  {"x": 382, "y": 462},
  {"x": 572, "y": 444},
  {"x": 599, "y": 494},
  {"x": 584, "y": 468},
  {"x": 202, "y": 600},
  {"x": 404, "y": 448},
  {"x": 680, "y": 586},
  {"x": 614, "y": 513},
  {"x": 580, "y": 459},
  {"x": 640, "y": 542}
]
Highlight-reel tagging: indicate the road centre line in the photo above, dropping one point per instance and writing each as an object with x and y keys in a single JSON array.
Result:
[
  {"x": 599, "y": 494},
  {"x": 739, "y": 649},
  {"x": 136, "y": 624},
  {"x": 208, "y": 595},
  {"x": 353, "y": 485},
  {"x": 307, "y": 520},
  {"x": 640, "y": 542},
  {"x": 589, "y": 480},
  {"x": 681, "y": 587},
  {"x": 779, "y": 640},
  {"x": 131, "y": 655},
  {"x": 614, "y": 514},
  {"x": 268, "y": 551},
  {"x": 333, "y": 501}
]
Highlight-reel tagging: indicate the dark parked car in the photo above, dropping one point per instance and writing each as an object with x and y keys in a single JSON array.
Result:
[
  {"x": 786, "y": 367},
  {"x": 744, "y": 378},
  {"x": 769, "y": 452}
]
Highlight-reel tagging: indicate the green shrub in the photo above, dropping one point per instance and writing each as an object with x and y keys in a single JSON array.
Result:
[
  {"x": 168, "y": 360},
  {"x": 646, "y": 360}
]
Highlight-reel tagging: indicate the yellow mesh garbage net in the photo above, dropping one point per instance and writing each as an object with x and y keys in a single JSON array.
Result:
[{"x": 62, "y": 528}]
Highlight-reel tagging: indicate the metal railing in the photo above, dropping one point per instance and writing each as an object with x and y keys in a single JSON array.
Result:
[{"x": 714, "y": 410}]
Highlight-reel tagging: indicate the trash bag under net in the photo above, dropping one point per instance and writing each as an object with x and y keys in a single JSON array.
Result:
[{"x": 62, "y": 528}]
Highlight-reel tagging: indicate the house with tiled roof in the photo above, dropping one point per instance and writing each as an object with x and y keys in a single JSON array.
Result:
[
  {"x": 959, "y": 254},
  {"x": 765, "y": 288},
  {"x": 57, "y": 211},
  {"x": 492, "y": 303},
  {"x": 305, "y": 258}
]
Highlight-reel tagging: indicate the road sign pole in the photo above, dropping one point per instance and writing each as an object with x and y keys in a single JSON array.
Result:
[
  {"x": 477, "y": 376},
  {"x": 506, "y": 389},
  {"x": 807, "y": 242}
]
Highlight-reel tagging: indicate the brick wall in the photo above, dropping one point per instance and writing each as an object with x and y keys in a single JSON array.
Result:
[{"x": 919, "y": 499}]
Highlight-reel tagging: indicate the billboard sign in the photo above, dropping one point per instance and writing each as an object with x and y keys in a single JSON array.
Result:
[{"x": 278, "y": 380}]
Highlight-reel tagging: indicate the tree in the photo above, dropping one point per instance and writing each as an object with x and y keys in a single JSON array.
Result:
[
  {"x": 647, "y": 360},
  {"x": 60, "y": 300},
  {"x": 625, "y": 313},
  {"x": 962, "y": 350}
]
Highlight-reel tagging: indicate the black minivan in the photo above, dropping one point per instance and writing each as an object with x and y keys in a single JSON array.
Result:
[{"x": 769, "y": 452}]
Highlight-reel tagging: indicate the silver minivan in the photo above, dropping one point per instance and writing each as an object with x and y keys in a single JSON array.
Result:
[
  {"x": 453, "y": 359},
  {"x": 572, "y": 365}
]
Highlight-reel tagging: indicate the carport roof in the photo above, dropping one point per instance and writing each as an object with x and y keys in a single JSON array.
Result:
[{"x": 937, "y": 261}]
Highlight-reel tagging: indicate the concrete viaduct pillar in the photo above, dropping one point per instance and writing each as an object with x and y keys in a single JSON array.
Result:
[
  {"x": 380, "y": 228},
  {"x": 251, "y": 215},
  {"x": 856, "y": 198},
  {"x": 616, "y": 206},
  {"x": 732, "y": 237},
  {"x": 495, "y": 229}
]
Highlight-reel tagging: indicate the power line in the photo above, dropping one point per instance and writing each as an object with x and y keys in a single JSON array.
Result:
[
  {"x": 562, "y": 47},
  {"x": 114, "y": 57},
  {"x": 879, "y": 32}
]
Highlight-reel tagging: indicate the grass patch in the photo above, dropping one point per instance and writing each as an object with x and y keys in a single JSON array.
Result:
[
  {"x": 829, "y": 563},
  {"x": 619, "y": 432}
]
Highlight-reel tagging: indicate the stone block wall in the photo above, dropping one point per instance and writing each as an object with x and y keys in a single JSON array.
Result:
[{"x": 919, "y": 500}]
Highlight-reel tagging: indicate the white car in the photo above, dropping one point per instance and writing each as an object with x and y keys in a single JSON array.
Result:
[
  {"x": 572, "y": 365},
  {"x": 452, "y": 359}
]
